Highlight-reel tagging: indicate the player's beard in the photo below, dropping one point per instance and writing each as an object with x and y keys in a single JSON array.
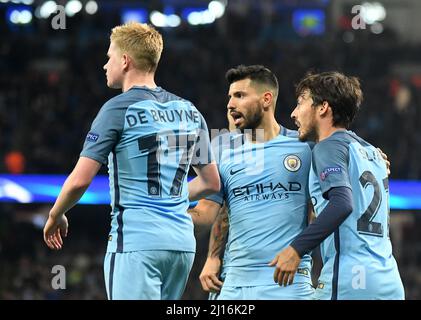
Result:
[
  {"x": 253, "y": 119},
  {"x": 312, "y": 133}
]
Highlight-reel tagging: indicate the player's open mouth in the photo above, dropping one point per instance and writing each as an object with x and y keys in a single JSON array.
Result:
[{"x": 237, "y": 116}]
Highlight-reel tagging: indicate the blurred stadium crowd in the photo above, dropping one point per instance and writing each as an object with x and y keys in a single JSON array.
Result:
[{"x": 52, "y": 85}]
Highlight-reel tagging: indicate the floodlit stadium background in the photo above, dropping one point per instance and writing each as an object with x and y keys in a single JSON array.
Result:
[{"x": 52, "y": 84}]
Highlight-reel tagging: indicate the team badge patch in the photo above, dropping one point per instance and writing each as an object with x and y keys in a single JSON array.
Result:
[
  {"x": 92, "y": 137},
  {"x": 292, "y": 163},
  {"x": 329, "y": 171}
]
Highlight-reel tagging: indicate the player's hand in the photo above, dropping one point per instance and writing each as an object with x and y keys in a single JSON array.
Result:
[
  {"x": 287, "y": 262},
  {"x": 209, "y": 275},
  {"x": 384, "y": 156},
  {"x": 55, "y": 228}
]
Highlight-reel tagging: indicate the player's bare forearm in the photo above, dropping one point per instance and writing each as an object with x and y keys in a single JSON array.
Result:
[
  {"x": 201, "y": 217},
  {"x": 69, "y": 195},
  {"x": 205, "y": 212},
  {"x": 75, "y": 186},
  {"x": 218, "y": 234},
  {"x": 195, "y": 215},
  {"x": 223, "y": 213}
]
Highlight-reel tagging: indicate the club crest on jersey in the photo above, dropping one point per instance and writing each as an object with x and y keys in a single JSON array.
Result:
[
  {"x": 329, "y": 171},
  {"x": 292, "y": 163}
]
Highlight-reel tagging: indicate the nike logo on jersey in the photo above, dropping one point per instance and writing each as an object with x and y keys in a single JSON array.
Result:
[{"x": 232, "y": 172}]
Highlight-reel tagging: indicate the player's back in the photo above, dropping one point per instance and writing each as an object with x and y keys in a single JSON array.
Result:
[
  {"x": 148, "y": 171},
  {"x": 359, "y": 254}
]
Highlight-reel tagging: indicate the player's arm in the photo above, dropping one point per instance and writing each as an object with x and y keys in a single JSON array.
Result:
[
  {"x": 336, "y": 188},
  {"x": 210, "y": 272},
  {"x": 205, "y": 212},
  {"x": 73, "y": 189},
  {"x": 206, "y": 183},
  {"x": 339, "y": 207},
  {"x": 218, "y": 234},
  {"x": 333, "y": 215},
  {"x": 203, "y": 163},
  {"x": 101, "y": 139},
  {"x": 310, "y": 213}
]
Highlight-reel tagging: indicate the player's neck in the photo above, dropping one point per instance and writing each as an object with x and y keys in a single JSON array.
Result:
[
  {"x": 140, "y": 79},
  {"x": 266, "y": 131},
  {"x": 326, "y": 132}
]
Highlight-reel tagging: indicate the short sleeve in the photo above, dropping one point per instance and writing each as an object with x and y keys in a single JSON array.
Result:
[
  {"x": 105, "y": 132},
  {"x": 330, "y": 161},
  {"x": 218, "y": 197}
]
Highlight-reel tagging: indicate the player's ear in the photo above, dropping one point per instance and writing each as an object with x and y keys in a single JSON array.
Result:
[
  {"x": 324, "y": 108},
  {"x": 125, "y": 60},
  {"x": 267, "y": 99}
]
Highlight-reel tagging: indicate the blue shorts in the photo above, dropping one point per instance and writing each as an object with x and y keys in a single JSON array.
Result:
[
  {"x": 147, "y": 275},
  {"x": 364, "y": 282},
  {"x": 213, "y": 296},
  {"x": 347, "y": 292},
  {"x": 295, "y": 291}
]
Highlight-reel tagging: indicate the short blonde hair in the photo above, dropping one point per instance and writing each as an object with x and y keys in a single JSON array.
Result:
[{"x": 141, "y": 42}]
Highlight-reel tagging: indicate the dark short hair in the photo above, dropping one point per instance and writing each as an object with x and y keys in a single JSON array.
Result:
[
  {"x": 343, "y": 94},
  {"x": 256, "y": 73}
]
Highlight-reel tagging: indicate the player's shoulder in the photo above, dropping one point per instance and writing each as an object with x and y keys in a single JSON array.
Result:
[
  {"x": 353, "y": 137},
  {"x": 138, "y": 94},
  {"x": 288, "y": 132},
  {"x": 337, "y": 139},
  {"x": 120, "y": 101},
  {"x": 337, "y": 145},
  {"x": 166, "y": 96},
  {"x": 173, "y": 96}
]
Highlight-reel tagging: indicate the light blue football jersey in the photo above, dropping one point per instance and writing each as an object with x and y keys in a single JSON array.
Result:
[
  {"x": 150, "y": 138},
  {"x": 357, "y": 257},
  {"x": 265, "y": 187}
]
